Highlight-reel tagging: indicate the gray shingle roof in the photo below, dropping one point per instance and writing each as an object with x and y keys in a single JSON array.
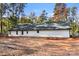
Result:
[{"x": 28, "y": 27}]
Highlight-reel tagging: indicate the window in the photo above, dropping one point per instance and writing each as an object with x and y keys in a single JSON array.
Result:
[
  {"x": 27, "y": 32},
  {"x": 16, "y": 32},
  {"x": 9, "y": 32},
  {"x": 37, "y": 31},
  {"x": 22, "y": 32}
]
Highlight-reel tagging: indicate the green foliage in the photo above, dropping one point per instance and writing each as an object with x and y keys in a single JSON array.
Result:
[
  {"x": 32, "y": 17},
  {"x": 6, "y": 25},
  {"x": 15, "y": 12},
  {"x": 3, "y": 8},
  {"x": 39, "y": 21},
  {"x": 25, "y": 21},
  {"x": 50, "y": 21},
  {"x": 13, "y": 20},
  {"x": 74, "y": 28},
  {"x": 42, "y": 17}
]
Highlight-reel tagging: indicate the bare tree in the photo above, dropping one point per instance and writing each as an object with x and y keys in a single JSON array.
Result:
[{"x": 16, "y": 10}]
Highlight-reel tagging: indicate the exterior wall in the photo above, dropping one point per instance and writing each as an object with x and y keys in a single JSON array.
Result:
[{"x": 46, "y": 33}]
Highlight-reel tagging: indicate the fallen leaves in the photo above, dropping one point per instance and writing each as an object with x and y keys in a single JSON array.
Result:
[{"x": 39, "y": 46}]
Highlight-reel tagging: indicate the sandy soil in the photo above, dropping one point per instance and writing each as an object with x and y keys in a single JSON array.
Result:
[{"x": 23, "y": 46}]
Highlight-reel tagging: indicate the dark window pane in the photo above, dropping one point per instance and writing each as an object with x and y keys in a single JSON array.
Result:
[
  {"x": 37, "y": 31},
  {"x": 22, "y": 32},
  {"x": 26, "y": 32},
  {"x": 17, "y": 32}
]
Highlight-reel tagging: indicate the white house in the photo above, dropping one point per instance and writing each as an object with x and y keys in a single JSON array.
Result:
[{"x": 53, "y": 30}]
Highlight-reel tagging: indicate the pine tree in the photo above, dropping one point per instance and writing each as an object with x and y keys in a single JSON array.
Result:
[
  {"x": 43, "y": 16},
  {"x": 32, "y": 17}
]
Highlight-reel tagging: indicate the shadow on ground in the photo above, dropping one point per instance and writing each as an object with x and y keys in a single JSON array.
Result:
[{"x": 14, "y": 49}]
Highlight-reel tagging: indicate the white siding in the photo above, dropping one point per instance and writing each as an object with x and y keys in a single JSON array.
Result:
[{"x": 46, "y": 33}]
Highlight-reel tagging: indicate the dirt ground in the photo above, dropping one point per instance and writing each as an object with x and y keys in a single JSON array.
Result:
[{"x": 25, "y": 46}]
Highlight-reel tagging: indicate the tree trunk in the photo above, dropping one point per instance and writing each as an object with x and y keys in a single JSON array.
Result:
[{"x": 1, "y": 28}]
